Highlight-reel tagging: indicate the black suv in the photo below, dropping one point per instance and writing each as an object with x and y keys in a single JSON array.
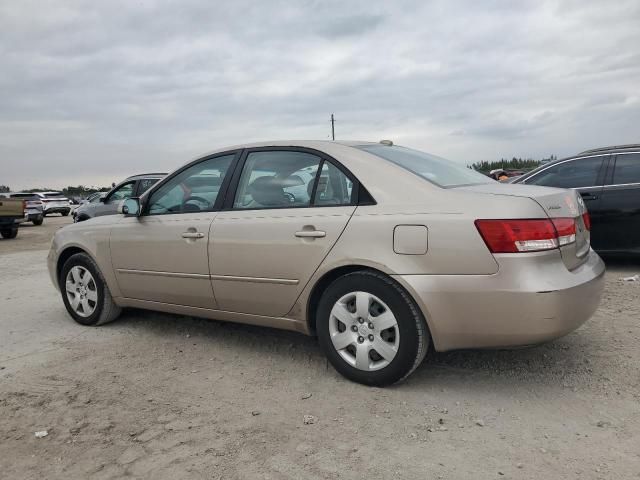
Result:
[{"x": 609, "y": 181}]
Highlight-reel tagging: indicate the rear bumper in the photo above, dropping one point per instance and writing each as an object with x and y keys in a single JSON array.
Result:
[{"x": 530, "y": 300}]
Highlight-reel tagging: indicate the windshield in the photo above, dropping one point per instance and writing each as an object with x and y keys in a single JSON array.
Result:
[{"x": 437, "y": 170}]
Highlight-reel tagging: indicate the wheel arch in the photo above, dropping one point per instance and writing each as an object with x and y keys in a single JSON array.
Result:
[
  {"x": 325, "y": 280},
  {"x": 65, "y": 255}
]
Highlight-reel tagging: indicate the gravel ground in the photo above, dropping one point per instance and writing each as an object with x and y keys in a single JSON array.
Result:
[{"x": 160, "y": 396}]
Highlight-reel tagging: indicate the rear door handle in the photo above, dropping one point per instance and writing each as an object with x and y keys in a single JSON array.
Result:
[
  {"x": 311, "y": 234},
  {"x": 193, "y": 235},
  {"x": 589, "y": 196}
]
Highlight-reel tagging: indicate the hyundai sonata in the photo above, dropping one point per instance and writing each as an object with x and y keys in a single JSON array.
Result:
[{"x": 379, "y": 250}]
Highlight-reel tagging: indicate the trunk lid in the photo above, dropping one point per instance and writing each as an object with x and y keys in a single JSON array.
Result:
[{"x": 556, "y": 203}]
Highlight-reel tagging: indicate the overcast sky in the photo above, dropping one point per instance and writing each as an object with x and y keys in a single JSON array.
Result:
[{"x": 93, "y": 91}]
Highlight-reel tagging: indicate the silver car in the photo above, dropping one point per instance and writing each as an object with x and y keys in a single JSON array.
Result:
[
  {"x": 107, "y": 203},
  {"x": 381, "y": 251}
]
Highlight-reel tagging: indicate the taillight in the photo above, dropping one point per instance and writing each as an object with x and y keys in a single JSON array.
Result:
[
  {"x": 566, "y": 228},
  {"x": 527, "y": 235},
  {"x": 587, "y": 220},
  {"x": 24, "y": 205}
]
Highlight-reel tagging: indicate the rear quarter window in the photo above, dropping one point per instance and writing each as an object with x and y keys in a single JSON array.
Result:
[{"x": 627, "y": 169}]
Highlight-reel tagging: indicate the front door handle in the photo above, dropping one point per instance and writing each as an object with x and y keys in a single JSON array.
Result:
[
  {"x": 193, "y": 235},
  {"x": 311, "y": 234}
]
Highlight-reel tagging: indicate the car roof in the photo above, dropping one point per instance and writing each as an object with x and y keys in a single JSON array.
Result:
[
  {"x": 633, "y": 147},
  {"x": 612, "y": 149},
  {"x": 146, "y": 175},
  {"x": 314, "y": 144}
]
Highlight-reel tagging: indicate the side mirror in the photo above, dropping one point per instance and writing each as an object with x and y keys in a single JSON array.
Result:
[
  {"x": 102, "y": 199},
  {"x": 130, "y": 207}
]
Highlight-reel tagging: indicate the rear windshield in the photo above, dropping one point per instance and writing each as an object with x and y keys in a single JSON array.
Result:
[
  {"x": 54, "y": 195},
  {"x": 437, "y": 170}
]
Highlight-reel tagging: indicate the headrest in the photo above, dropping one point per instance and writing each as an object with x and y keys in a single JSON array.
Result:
[{"x": 267, "y": 191}]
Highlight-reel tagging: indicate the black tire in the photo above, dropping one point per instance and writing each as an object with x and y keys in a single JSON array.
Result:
[
  {"x": 38, "y": 220},
  {"x": 106, "y": 310},
  {"x": 414, "y": 335},
  {"x": 8, "y": 233},
  {"x": 65, "y": 213}
]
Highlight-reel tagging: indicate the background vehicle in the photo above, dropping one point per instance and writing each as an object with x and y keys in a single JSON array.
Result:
[
  {"x": 107, "y": 203},
  {"x": 608, "y": 179},
  {"x": 54, "y": 202},
  {"x": 94, "y": 197},
  {"x": 11, "y": 214},
  {"x": 34, "y": 208},
  {"x": 84, "y": 204},
  {"x": 380, "y": 250}
]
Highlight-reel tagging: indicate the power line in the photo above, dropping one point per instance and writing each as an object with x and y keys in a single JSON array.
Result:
[{"x": 333, "y": 130}]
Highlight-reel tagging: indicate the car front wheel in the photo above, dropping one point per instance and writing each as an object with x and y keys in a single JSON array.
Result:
[
  {"x": 370, "y": 329},
  {"x": 38, "y": 220},
  {"x": 85, "y": 293}
]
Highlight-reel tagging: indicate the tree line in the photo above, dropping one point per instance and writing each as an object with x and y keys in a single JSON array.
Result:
[{"x": 485, "y": 166}]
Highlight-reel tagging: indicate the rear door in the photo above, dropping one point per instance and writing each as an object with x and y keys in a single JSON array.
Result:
[
  {"x": 286, "y": 210},
  {"x": 621, "y": 204},
  {"x": 586, "y": 176}
]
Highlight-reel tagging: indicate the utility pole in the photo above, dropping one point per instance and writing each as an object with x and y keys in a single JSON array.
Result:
[{"x": 333, "y": 131}]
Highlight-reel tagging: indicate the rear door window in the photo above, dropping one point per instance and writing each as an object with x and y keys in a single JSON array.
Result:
[
  {"x": 334, "y": 188},
  {"x": 627, "y": 169},
  {"x": 582, "y": 172},
  {"x": 277, "y": 179}
]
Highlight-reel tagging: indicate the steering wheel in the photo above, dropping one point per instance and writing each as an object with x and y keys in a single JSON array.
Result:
[
  {"x": 190, "y": 208},
  {"x": 290, "y": 196}
]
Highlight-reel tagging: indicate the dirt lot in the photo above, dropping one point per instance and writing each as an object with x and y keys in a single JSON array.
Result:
[{"x": 160, "y": 396}]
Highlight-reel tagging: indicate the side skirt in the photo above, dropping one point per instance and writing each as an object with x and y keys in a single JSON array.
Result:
[{"x": 272, "y": 322}]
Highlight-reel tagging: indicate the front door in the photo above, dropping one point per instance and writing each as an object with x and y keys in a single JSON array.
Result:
[
  {"x": 289, "y": 209},
  {"x": 162, "y": 256}
]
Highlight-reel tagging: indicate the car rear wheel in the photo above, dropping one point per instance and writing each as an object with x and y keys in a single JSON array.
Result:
[
  {"x": 85, "y": 293},
  {"x": 370, "y": 329},
  {"x": 9, "y": 232},
  {"x": 65, "y": 213},
  {"x": 38, "y": 220}
]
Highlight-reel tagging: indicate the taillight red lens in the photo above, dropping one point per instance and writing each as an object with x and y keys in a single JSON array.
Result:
[
  {"x": 527, "y": 235},
  {"x": 566, "y": 228},
  {"x": 587, "y": 220}
]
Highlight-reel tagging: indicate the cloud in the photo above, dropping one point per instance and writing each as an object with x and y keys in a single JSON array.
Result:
[{"x": 94, "y": 91}]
